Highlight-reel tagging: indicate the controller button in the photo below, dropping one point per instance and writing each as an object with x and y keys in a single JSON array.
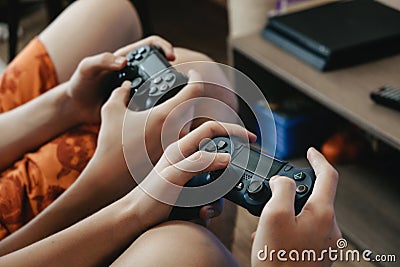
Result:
[
  {"x": 136, "y": 82},
  {"x": 221, "y": 144},
  {"x": 217, "y": 173},
  {"x": 157, "y": 80},
  {"x": 153, "y": 90},
  {"x": 164, "y": 87},
  {"x": 138, "y": 57},
  {"x": 299, "y": 176},
  {"x": 169, "y": 77},
  {"x": 210, "y": 147},
  {"x": 209, "y": 178},
  {"x": 239, "y": 186},
  {"x": 288, "y": 168},
  {"x": 121, "y": 75},
  {"x": 142, "y": 50},
  {"x": 301, "y": 189},
  {"x": 256, "y": 189},
  {"x": 130, "y": 56}
]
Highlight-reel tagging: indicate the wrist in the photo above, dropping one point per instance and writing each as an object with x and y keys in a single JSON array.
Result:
[
  {"x": 105, "y": 167},
  {"x": 129, "y": 212},
  {"x": 67, "y": 107}
]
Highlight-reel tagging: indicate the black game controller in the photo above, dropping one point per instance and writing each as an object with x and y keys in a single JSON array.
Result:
[
  {"x": 254, "y": 168},
  {"x": 153, "y": 79}
]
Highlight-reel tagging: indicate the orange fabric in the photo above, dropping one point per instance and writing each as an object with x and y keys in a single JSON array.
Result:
[{"x": 36, "y": 180}]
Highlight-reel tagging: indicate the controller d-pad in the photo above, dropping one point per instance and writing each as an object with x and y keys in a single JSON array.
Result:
[
  {"x": 221, "y": 144},
  {"x": 130, "y": 57},
  {"x": 138, "y": 57},
  {"x": 210, "y": 147},
  {"x": 142, "y": 50}
]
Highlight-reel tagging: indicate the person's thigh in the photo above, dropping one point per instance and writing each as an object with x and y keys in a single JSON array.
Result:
[
  {"x": 177, "y": 243},
  {"x": 184, "y": 55},
  {"x": 89, "y": 27},
  {"x": 217, "y": 85}
]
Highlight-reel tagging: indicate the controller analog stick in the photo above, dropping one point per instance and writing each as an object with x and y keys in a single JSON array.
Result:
[{"x": 256, "y": 189}]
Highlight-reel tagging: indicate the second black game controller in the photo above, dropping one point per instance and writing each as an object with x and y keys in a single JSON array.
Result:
[
  {"x": 254, "y": 170},
  {"x": 153, "y": 79}
]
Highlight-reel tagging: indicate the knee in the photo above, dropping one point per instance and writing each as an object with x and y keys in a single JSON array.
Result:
[
  {"x": 177, "y": 243},
  {"x": 116, "y": 14}
]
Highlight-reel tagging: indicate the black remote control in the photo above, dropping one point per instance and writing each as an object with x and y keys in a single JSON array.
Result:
[
  {"x": 153, "y": 79},
  {"x": 255, "y": 169},
  {"x": 387, "y": 96}
]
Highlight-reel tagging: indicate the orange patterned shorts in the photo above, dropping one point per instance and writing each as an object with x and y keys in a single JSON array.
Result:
[{"x": 39, "y": 177}]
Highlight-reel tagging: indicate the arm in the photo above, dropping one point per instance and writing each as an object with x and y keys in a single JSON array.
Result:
[
  {"x": 101, "y": 237},
  {"x": 102, "y": 183},
  {"x": 314, "y": 228},
  {"x": 112, "y": 227},
  {"x": 90, "y": 192},
  {"x": 72, "y": 103},
  {"x": 30, "y": 125}
]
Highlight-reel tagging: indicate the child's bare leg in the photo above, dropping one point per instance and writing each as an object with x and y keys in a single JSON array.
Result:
[
  {"x": 89, "y": 27},
  {"x": 177, "y": 243},
  {"x": 211, "y": 73}
]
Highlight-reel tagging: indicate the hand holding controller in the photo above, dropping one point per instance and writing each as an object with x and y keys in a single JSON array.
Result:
[
  {"x": 253, "y": 169},
  {"x": 153, "y": 79}
]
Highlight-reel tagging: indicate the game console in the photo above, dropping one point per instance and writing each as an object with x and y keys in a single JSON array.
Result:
[
  {"x": 153, "y": 79},
  {"x": 255, "y": 168}
]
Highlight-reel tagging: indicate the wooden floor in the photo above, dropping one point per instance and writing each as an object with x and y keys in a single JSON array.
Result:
[{"x": 184, "y": 24}]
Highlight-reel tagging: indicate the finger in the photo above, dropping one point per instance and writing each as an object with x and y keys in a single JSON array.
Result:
[
  {"x": 190, "y": 143},
  {"x": 151, "y": 40},
  {"x": 327, "y": 178},
  {"x": 280, "y": 207},
  {"x": 212, "y": 210},
  {"x": 92, "y": 66},
  {"x": 252, "y": 236},
  {"x": 120, "y": 96},
  {"x": 199, "y": 162}
]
